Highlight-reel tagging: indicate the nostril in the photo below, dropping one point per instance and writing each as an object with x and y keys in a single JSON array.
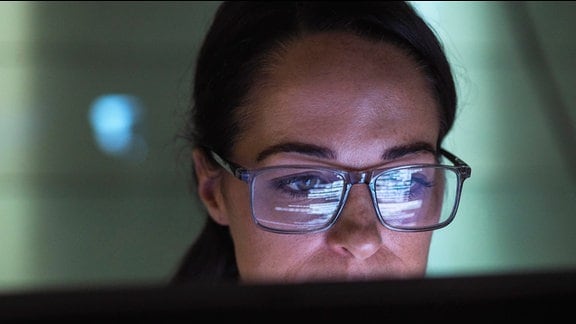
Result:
[{"x": 355, "y": 239}]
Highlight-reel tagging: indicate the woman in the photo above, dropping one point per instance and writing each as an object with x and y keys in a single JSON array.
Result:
[{"x": 316, "y": 134}]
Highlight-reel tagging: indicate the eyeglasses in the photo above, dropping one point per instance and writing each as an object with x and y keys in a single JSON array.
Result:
[{"x": 304, "y": 199}]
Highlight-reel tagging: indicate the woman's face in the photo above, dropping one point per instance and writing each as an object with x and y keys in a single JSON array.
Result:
[{"x": 334, "y": 100}]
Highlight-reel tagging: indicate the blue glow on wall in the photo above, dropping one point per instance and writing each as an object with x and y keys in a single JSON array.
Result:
[{"x": 115, "y": 120}]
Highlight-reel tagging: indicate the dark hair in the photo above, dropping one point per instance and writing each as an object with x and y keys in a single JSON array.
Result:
[{"x": 241, "y": 38}]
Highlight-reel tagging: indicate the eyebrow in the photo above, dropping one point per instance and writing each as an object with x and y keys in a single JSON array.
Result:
[
  {"x": 399, "y": 151},
  {"x": 326, "y": 153},
  {"x": 297, "y": 147}
]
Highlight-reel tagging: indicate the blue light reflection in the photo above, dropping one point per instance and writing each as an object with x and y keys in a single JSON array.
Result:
[{"x": 114, "y": 119}]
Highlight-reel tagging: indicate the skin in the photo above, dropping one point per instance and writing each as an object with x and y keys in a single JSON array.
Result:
[{"x": 335, "y": 100}]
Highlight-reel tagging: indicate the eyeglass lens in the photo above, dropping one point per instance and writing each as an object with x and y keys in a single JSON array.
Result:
[{"x": 305, "y": 200}]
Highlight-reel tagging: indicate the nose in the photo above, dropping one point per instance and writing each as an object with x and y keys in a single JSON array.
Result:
[{"x": 357, "y": 231}]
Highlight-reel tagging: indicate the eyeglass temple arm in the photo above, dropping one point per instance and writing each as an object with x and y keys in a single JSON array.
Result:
[
  {"x": 234, "y": 169},
  {"x": 465, "y": 169}
]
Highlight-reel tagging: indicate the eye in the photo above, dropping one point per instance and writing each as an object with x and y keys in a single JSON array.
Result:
[
  {"x": 300, "y": 183},
  {"x": 307, "y": 185},
  {"x": 419, "y": 186},
  {"x": 403, "y": 185}
]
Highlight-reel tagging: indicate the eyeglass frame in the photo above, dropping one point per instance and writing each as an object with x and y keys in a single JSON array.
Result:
[{"x": 461, "y": 168}]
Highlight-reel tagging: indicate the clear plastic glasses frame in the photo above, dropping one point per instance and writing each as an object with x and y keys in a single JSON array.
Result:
[{"x": 392, "y": 192}]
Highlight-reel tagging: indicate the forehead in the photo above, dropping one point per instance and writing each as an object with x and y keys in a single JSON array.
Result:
[
  {"x": 337, "y": 56},
  {"x": 339, "y": 86}
]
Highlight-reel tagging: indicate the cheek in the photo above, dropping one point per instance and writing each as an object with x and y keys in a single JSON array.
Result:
[
  {"x": 421, "y": 246},
  {"x": 250, "y": 242},
  {"x": 407, "y": 246},
  {"x": 236, "y": 197},
  {"x": 267, "y": 257}
]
